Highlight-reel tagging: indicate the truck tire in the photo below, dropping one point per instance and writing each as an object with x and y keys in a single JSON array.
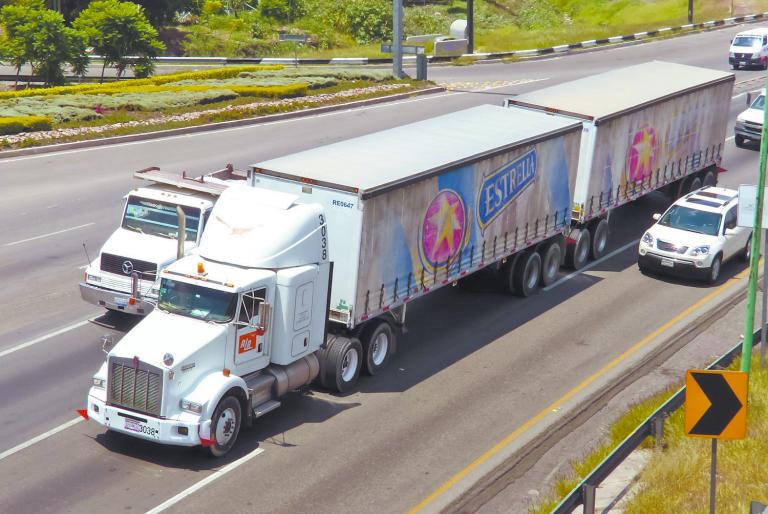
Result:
[
  {"x": 225, "y": 426},
  {"x": 694, "y": 184},
  {"x": 599, "y": 236},
  {"x": 550, "y": 265},
  {"x": 739, "y": 140},
  {"x": 378, "y": 340},
  {"x": 340, "y": 363},
  {"x": 577, "y": 253},
  {"x": 527, "y": 273},
  {"x": 710, "y": 179}
]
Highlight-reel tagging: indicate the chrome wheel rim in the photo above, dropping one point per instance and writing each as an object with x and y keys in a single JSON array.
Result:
[
  {"x": 533, "y": 275},
  {"x": 380, "y": 345},
  {"x": 225, "y": 427},
  {"x": 349, "y": 365}
]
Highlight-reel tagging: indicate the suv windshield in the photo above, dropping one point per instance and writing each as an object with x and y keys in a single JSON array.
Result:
[
  {"x": 692, "y": 220},
  {"x": 196, "y": 301},
  {"x": 158, "y": 218},
  {"x": 759, "y": 103},
  {"x": 748, "y": 41}
]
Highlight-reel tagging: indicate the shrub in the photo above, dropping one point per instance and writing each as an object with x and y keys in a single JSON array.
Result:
[
  {"x": 282, "y": 10},
  {"x": 288, "y": 91},
  {"x": 369, "y": 20},
  {"x": 24, "y": 124},
  {"x": 424, "y": 20}
]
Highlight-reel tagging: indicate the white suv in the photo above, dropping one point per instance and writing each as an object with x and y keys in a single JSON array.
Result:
[{"x": 695, "y": 235}]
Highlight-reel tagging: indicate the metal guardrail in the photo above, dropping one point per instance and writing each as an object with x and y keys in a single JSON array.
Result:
[{"x": 653, "y": 426}]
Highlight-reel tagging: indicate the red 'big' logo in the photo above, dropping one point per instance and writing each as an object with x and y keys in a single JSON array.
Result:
[{"x": 247, "y": 342}]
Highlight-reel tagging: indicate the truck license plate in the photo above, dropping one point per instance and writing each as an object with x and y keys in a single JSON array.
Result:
[
  {"x": 669, "y": 263},
  {"x": 141, "y": 428}
]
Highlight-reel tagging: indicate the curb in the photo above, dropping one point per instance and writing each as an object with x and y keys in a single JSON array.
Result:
[{"x": 159, "y": 134}]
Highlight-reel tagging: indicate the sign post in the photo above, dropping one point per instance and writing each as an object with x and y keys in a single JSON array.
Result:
[
  {"x": 297, "y": 39},
  {"x": 716, "y": 408}
]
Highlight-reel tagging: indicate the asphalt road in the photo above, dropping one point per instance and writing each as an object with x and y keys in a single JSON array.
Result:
[{"x": 475, "y": 365}]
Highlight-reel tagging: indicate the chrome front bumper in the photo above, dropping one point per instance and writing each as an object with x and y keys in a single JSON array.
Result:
[{"x": 115, "y": 300}]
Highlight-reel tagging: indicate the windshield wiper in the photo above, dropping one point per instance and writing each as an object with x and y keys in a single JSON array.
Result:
[
  {"x": 134, "y": 229},
  {"x": 166, "y": 235}
]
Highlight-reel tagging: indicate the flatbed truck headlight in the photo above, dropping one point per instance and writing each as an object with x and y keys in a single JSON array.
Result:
[
  {"x": 92, "y": 278},
  {"x": 191, "y": 406},
  {"x": 99, "y": 383}
]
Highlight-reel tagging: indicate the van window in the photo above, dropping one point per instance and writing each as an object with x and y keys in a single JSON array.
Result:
[{"x": 747, "y": 41}]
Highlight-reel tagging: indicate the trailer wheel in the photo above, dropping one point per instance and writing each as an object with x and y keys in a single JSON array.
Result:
[
  {"x": 599, "y": 234},
  {"x": 694, "y": 184},
  {"x": 710, "y": 179},
  {"x": 378, "y": 340},
  {"x": 550, "y": 265},
  {"x": 527, "y": 273},
  {"x": 225, "y": 426},
  {"x": 577, "y": 253},
  {"x": 340, "y": 364}
]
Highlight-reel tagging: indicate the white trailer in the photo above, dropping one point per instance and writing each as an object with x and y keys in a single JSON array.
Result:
[
  {"x": 306, "y": 274},
  {"x": 124, "y": 277},
  {"x": 653, "y": 126}
]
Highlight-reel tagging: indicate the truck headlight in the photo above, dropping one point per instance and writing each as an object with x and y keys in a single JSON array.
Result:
[
  {"x": 700, "y": 250},
  {"x": 92, "y": 278},
  {"x": 99, "y": 383},
  {"x": 731, "y": 55},
  {"x": 756, "y": 55},
  {"x": 648, "y": 239},
  {"x": 191, "y": 406}
]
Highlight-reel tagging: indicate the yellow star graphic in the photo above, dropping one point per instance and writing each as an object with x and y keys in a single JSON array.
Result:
[
  {"x": 446, "y": 223},
  {"x": 644, "y": 149}
]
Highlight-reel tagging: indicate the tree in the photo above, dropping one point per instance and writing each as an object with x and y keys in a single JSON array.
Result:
[
  {"x": 39, "y": 36},
  {"x": 121, "y": 34}
]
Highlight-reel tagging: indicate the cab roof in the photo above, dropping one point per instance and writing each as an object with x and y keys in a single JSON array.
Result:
[
  {"x": 710, "y": 199},
  {"x": 181, "y": 197}
]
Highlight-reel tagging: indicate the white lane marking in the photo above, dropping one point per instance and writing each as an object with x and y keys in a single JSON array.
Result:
[
  {"x": 50, "y": 234},
  {"x": 207, "y": 480},
  {"x": 255, "y": 125},
  {"x": 591, "y": 265},
  {"x": 46, "y": 435},
  {"x": 43, "y": 338}
]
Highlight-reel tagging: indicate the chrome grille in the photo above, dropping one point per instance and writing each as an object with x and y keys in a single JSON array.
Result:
[
  {"x": 138, "y": 388},
  {"x": 126, "y": 265},
  {"x": 669, "y": 247}
]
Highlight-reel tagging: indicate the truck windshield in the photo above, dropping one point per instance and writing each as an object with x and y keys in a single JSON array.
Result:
[
  {"x": 692, "y": 220},
  {"x": 747, "y": 41},
  {"x": 759, "y": 103},
  {"x": 158, "y": 218},
  {"x": 195, "y": 301}
]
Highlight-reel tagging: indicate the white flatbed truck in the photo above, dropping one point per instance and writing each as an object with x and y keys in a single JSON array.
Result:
[{"x": 124, "y": 277}]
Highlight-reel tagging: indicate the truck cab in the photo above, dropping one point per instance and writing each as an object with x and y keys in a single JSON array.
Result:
[
  {"x": 124, "y": 277},
  {"x": 749, "y": 123},
  {"x": 237, "y": 325}
]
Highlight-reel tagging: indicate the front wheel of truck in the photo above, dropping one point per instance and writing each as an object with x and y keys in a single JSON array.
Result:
[{"x": 225, "y": 426}]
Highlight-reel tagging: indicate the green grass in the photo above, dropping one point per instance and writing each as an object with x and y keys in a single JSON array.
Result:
[
  {"x": 618, "y": 431},
  {"x": 677, "y": 478}
]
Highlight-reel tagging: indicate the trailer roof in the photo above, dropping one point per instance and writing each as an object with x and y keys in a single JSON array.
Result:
[
  {"x": 623, "y": 90},
  {"x": 376, "y": 162}
]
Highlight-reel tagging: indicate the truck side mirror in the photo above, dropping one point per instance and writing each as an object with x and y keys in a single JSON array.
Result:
[
  {"x": 749, "y": 98},
  {"x": 264, "y": 315}
]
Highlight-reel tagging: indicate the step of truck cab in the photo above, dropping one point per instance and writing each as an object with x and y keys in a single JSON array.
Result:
[{"x": 265, "y": 407}]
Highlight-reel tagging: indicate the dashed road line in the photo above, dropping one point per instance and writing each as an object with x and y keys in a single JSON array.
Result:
[
  {"x": 46, "y": 435},
  {"x": 207, "y": 480},
  {"x": 43, "y": 338},
  {"x": 50, "y": 234}
]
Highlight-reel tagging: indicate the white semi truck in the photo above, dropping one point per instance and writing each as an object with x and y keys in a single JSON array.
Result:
[
  {"x": 652, "y": 126},
  {"x": 307, "y": 273},
  {"x": 124, "y": 277}
]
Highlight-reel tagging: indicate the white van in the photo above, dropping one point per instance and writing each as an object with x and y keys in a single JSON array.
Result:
[{"x": 749, "y": 48}]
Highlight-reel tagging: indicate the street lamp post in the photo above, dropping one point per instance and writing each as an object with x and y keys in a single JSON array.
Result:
[{"x": 470, "y": 26}]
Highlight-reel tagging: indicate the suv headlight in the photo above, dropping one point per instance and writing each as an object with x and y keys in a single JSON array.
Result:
[
  {"x": 700, "y": 250},
  {"x": 648, "y": 239},
  {"x": 191, "y": 406},
  {"x": 99, "y": 383}
]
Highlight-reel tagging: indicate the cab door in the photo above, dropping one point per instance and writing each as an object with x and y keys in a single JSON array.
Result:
[{"x": 252, "y": 334}]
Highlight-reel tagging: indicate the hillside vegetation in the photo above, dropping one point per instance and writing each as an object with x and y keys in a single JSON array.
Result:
[{"x": 356, "y": 27}]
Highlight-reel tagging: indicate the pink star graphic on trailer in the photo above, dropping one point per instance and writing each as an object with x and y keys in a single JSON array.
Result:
[
  {"x": 443, "y": 228},
  {"x": 642, "y": 152}
]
